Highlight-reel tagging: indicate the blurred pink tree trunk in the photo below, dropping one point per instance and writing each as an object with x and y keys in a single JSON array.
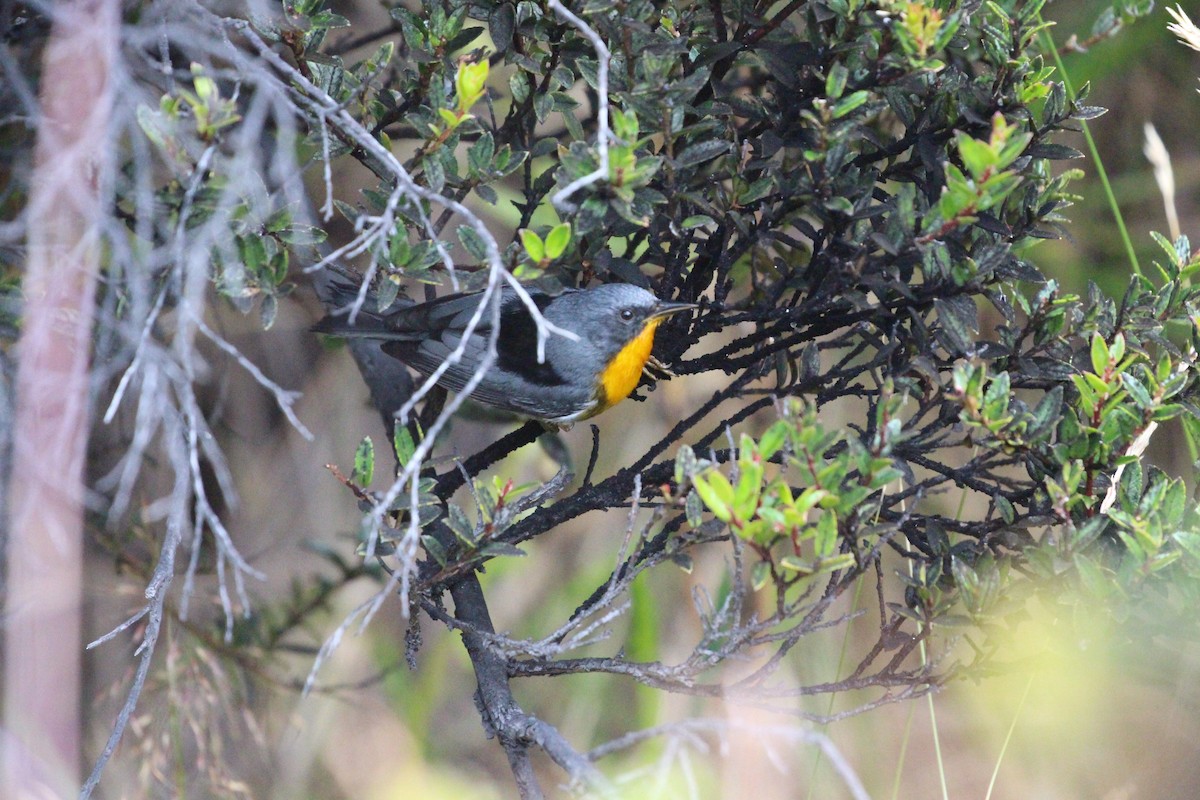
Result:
[{"x": 45, "y": 528}]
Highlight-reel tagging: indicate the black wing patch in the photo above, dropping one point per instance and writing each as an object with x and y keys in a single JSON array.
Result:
[
  {"x": 516, "y": 347},
  {"x": 422, "y": 335}
]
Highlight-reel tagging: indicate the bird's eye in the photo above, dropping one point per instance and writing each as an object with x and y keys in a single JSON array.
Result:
[{"x": 626, "y": 314}]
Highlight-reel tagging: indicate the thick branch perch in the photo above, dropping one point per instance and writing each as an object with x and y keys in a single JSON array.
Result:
[{"x": 516, "y": 729}]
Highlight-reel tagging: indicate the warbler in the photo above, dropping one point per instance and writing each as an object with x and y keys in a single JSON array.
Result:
[{"x": 615, "y": 325}]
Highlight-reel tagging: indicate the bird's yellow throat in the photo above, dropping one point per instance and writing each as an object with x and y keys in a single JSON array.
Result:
[{"x": 625, "y": 370}]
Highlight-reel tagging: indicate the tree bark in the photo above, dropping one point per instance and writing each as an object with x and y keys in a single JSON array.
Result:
[{"x": 45, "y": 525}]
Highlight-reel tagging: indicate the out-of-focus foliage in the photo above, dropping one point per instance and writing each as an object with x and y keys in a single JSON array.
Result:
[
  {"x": 854, "y": 182},
  {"x": 852, "y": 191}
]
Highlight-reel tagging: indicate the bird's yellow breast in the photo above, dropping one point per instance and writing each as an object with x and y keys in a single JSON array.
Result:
[{"x": 622, "y": 374}]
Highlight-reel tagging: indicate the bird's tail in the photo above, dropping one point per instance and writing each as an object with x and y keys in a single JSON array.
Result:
[{"x": 342, "y": 297}]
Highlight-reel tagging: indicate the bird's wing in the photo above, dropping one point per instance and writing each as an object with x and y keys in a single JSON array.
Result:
[
  {"x": 450, "y": 312},
  {"x": 427, "y": 355},
  {"x": 425, "y": 335},
  {"x": 516, "y": 381}
]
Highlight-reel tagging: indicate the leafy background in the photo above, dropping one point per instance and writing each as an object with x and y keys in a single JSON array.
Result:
[{"x": 1089, "y": 716}]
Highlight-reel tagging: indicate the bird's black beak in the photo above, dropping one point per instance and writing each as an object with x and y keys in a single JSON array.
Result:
[{"x": 664, "y": 309}]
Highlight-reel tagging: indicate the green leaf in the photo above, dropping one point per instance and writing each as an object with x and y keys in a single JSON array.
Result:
[
  {"x": 508, "y": 161},
  {"x": 470, "y": 81},
  {"x": 458, "y": 522},
  {"x": 995, "y": 399},
  {"x": 625, "y": 125},
  {"x": 825, "y": 540},
  {"x": 382, "y": 56},
  {"x": 1087, "y": 395},
  {"x": 1100, "y": 354},
  {"x": 276, "y": 270},
  {"x": 487, "y": 194},
  {"x": 700, "y": 152},
  {"x": 543, "y": 104},
  {"x": 402, "y": 441},
  {"x": 1168, "y": 411},
  {"x": 501, "y": 23},
  {"x": 303, "y": 235},
  {"x": 841, "y": 205},
  {"x": 694, "y": 509},
  {"x": 435, "y": 173},
  {"x": 955, "y": 332},
  {"x": 495, "y": 549},
  {"x": 1131, "y": 485},
  {"x": 748, "y": 490},
  {"x": 206, "y": 88},
  {"x": 683, "y": 561},
  {"x": 1086, "y": 533},
  {"x": 1007, "y": 512},
  {"x": 268, "y": 310},
  {"x": 757, "y": 190},
  {"x": 472, "y": 242},
  {"x": 1189, "y": 541},
  {"x": 716, "y": 492},
  {"x": 399, "y": 250},
  {"x": 364, "y": 462},
  {"x": 327, "y": 19},
  {"x": 1053, "y": 152},
  {"x": 850, "y": 103},
  {"x": 435, "y": 549},
  {"x": 685, "y": 463},
  {"x": 760, "y": 574},
  {"x": 835, "y": 82},
  {"x": 518, "y": 86},
  {"x": 773, "y": 439},
  {"x": 977, "y": 156},
  {"x": 833, "y": 563},
  {"x": 480, "y": 155},
  {"x": 279, "y": 220},
  {"x": 1117, "y": 351},
  {"x": 535, "y": 248},
  {"x": 796, "y": 564},
  {"x": 1047, "y": 411},
  {"x": 1174, "y": 503},
  {"x": 1096, "y": 581},
  {"x": 809, "y": 498},
  {"x": 1137, "y": 391},
  {"x": 451, "y": 119},
  {"x": 557, "y": 240},
  {"x": 697, "y": 221},
  {"x": 463, "y": 38},
  {"x": 252, "y": 252}
]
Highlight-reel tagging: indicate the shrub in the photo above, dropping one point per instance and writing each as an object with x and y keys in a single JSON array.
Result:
[{"x": 855, "y": 189}]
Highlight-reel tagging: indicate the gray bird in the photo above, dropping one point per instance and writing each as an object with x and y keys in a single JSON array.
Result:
[{"x": 615, "y": 324}]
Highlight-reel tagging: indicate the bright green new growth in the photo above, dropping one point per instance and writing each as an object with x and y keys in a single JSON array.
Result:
[{"x": 796, "y": 494}]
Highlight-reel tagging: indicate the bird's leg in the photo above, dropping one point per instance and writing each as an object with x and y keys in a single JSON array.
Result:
[{"x": 655, "y": 370}]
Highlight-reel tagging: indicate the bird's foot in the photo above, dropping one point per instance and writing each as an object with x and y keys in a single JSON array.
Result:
[{"x": 656, "y": 370}]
